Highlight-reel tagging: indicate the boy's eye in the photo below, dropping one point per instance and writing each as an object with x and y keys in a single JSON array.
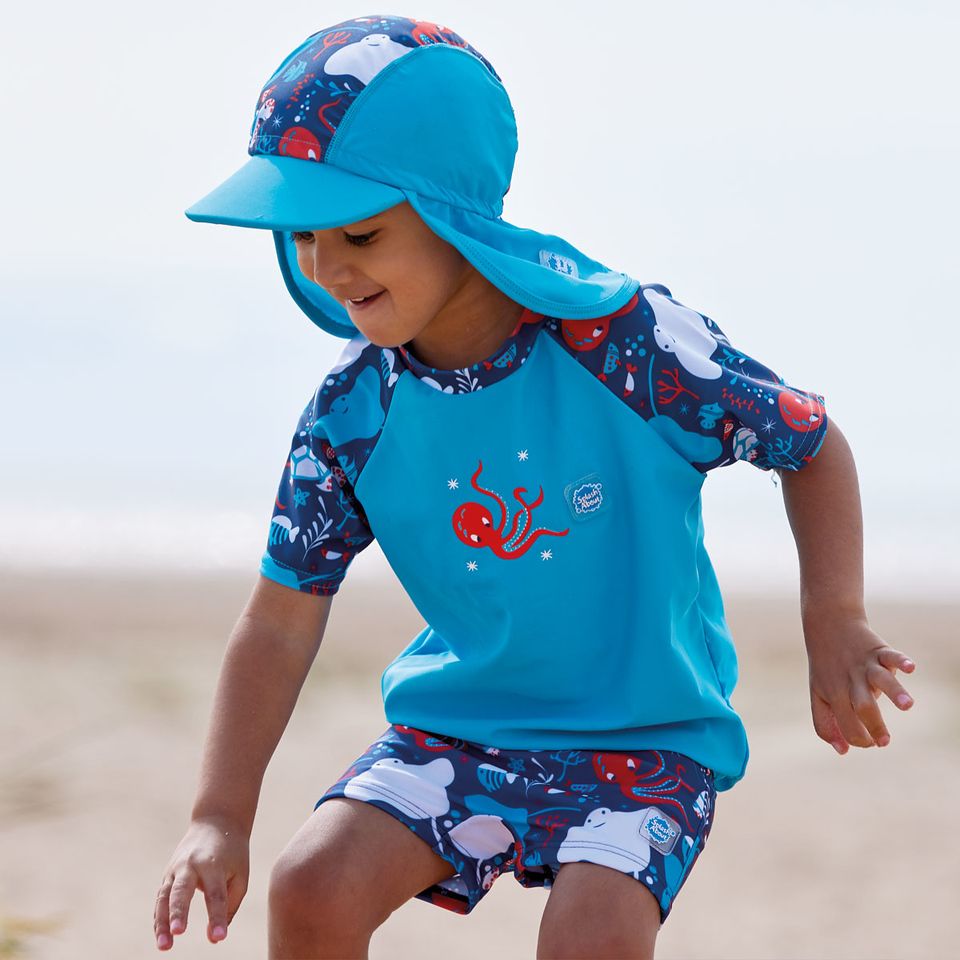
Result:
[
  {"x": 358, "y": 239},
  {"x": 354, "y": 239}
]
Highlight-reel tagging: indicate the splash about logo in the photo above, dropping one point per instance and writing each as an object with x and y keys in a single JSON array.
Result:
[
  {"x": 558, "y": 262},
  {"x": 585, "y": 496},
  {"x": 661, "y": 830},
  {"x": 588, "y": 497}
]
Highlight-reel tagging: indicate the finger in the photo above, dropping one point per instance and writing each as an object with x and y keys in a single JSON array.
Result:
[
  {"x": 236, "y": 891},
  {"x": 848, "y": 716},
  {"x": 884, "y": 681},
  {"x": 214, "y": 887},
  {"x": 184, "y": 887},
  {"x": 825, "y": 723},
  {"x": 895, "y": 660},
  {"x": 161, "y": 916},
  {"x": 867, "y": 709}
]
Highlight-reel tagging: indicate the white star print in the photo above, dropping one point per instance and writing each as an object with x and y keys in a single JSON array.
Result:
[
  {"x": 522, "y": 454},
  {"x": 453, "y": 484},
  {"x": 546, "y": 554},
  {"x": 471, "y": 565},
  {"x": 769, "y": 425}
]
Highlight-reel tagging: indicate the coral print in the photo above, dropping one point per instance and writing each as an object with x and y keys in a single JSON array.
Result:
[{"x": 473, "y": 523}]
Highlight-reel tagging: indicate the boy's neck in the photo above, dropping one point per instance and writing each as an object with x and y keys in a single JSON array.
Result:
[{"x": 474, "y": 322}]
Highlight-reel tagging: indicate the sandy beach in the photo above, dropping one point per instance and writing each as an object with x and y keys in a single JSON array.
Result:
[{"x": 107, "y": 685}]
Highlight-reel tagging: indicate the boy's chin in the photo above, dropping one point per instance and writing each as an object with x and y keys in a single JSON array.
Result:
[{"x": 381, "y": 337}]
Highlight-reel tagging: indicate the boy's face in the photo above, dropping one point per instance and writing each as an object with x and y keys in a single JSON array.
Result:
[{"x": 394, "y": 257}]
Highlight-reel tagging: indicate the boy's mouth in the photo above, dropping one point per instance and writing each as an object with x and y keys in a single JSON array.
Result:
[{"x": 361, "y": 302}]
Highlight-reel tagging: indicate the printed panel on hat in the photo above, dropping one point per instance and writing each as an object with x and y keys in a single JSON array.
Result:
[{"x": 303, "y": 103}]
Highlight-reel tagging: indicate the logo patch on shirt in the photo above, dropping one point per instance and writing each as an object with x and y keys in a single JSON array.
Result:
[
  {"x": 560, "y": 263},
  {"x": 586, "y": 496},
  {"x": 661, "y": 830}
]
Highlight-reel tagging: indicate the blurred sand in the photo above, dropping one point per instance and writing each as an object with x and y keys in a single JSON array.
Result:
[{"x": 106, "y": 692}]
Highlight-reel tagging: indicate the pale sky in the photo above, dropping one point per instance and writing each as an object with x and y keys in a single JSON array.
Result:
[{"x": 787, "y": 169}]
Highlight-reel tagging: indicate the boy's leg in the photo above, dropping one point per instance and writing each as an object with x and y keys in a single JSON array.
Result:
[
  {"x": 341, "y": 875},
  {"x": 599, "y": 913}
]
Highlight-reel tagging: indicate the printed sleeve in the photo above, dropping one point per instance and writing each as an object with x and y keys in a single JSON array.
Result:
[
  {"x": 726, "y": 405},
  {"x": 318, "y": 524}
]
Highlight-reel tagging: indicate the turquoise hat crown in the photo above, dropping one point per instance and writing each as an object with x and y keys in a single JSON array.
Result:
[{"x": 400, "y": 101}]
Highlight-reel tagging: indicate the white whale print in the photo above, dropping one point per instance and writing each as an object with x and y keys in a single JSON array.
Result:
[
  {"x": 418, "y": 790},
  {"x": 684, "y": 332},
  {"x": 365, "y": 58}
]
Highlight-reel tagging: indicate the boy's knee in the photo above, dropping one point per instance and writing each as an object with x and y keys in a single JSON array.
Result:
[
  {"x": 573, "y": 944},
  {"x": 319, "y": 894}
]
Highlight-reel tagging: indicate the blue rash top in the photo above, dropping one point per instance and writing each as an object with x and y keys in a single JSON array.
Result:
[{"x": 542, "y": 510}]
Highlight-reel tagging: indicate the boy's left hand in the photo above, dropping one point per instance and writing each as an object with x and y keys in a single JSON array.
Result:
[{"x": 850, "y": 666}]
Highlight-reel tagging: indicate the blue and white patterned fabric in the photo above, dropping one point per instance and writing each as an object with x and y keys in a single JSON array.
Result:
[
  {"x": 303, "y": 104},
  {"x": 489, "y": 811}
]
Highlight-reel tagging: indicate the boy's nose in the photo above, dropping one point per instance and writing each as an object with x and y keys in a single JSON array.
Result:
[{"x": 330, "y": 273}]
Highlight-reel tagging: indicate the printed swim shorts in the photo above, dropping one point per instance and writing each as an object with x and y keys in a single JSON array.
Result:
[{"x": 485, "y": 810}]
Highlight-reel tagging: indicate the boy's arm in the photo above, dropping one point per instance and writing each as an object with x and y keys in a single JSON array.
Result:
[
  {"x": 850, "y": 665},
  {"x": 267, "y": 659},
  {"x": 266, "y": 662}
]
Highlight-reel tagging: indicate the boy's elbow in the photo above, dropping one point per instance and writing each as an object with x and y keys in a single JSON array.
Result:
[{"x": 290, "y": 616}]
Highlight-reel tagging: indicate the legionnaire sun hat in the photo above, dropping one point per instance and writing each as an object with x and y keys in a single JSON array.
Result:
[{"x": 379, "y": 110}]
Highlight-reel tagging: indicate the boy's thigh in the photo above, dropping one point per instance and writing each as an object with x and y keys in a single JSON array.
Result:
[
  {"x": 359, "y": 847},
  {"x": 596, "y": 911}
]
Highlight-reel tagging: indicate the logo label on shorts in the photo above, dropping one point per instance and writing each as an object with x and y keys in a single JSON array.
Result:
[
  {"x": 585, "y": 496},
  {"x": 558, "y": 262},
  {"x": 661, "y": 830}
]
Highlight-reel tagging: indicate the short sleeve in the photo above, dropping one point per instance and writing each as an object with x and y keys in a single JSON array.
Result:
[
  {"x": 740, "y": 408},
  {"x": 318, "y": 525}
]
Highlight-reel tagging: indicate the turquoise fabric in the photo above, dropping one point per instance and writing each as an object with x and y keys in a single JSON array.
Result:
[
  {"x": 377, "y": 111},
  {"x": 602, "y": 626}
]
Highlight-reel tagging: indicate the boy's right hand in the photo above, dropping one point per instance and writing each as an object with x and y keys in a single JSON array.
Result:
[{"x": 214, "y": 856}]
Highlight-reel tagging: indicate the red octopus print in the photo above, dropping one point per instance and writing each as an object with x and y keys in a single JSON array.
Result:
[
  {"x": 799, "y": 412},
  {"x": 473, "y": 523},
  {"x": 655, "y": 784},
  {"x": 583, "y": 335},
  {"x": 424, "y": 32}
]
